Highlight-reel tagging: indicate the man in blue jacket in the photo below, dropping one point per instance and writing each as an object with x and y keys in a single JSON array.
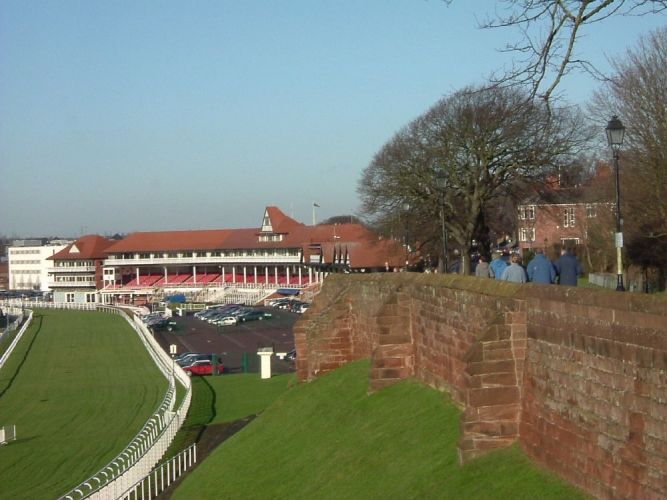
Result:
[
  {"x": 568, "y": 268},
  {"x": 540, "y": 269},
  {"x": 497, "y": 265}
]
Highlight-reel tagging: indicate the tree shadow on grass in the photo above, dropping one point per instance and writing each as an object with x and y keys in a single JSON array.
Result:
[{"x": 198, "y": 428}]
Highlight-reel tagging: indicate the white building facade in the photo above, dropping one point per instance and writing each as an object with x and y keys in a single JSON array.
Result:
[{"x": 29, "y": 267}]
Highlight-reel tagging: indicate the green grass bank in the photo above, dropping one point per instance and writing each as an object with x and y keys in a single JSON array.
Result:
[
  {"x": 330, "y": 439},
  {"x": 78, "y": 387}
]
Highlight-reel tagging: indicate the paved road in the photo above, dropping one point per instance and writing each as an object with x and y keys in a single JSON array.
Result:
[{"x": 194, "y": 335}]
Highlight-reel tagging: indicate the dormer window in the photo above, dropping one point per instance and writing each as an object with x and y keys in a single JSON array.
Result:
[{"x": 270, "y": 237}]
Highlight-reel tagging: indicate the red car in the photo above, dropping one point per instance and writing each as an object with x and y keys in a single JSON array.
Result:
[{"x": 203, "y": 367}]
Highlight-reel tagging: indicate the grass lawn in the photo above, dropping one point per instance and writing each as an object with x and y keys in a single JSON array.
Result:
[
  {"x": 78, "y": 387},
  {"x": 225, "y": 399},
  {"x": 329, "y": 439}
]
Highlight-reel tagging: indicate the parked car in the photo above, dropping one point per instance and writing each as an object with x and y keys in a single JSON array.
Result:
[
  {"x": 300, "y": 308},
  {"x": 151, "y": 318},
  {"x": 291, "y": 356},
  {"x": 254, "y": 314},
  {"x": 185, "y": 354},
  {"x": 278, "y": 302},
  {"x": 164, "y": 324},
  {"x": 204, "y": 367},
  {"x": 205, "y": 313},
  {"x": 226, "y": 321},
  {"x": 192, "y": 358}
]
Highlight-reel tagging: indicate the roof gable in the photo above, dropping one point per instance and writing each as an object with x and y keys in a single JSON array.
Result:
[
  {"x": 87, "y": 247},
  {"x": 275, "y": 221}
]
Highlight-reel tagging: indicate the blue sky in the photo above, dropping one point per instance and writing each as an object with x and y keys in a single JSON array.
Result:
[{"x": 139, "y": 115}]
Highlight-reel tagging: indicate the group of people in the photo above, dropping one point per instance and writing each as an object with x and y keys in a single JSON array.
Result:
[{"x": 565, "y": 270}]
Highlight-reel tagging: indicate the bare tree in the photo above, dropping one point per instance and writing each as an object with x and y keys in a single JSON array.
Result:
[
  {"x": 638, "y": 94},
  {"x": 480, "y": 142},
  {"x": 549, "y": 31}
]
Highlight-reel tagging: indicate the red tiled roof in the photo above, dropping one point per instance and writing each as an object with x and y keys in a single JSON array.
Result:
[
  {"x": 152, "y": 241},
  {"x": 364, "y": 247},
  {"x": 280, "y": 222},
  {"x": 91, "y": 246}
]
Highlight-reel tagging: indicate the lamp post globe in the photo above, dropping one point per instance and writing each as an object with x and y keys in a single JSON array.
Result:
[{"x": 615, "y": 134}]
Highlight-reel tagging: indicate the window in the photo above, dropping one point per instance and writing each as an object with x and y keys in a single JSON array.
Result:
[
  {"x": 69, "y": 297},
  {"x": 527, "y": 234},
  {"x": 527, "y": 212},
  {"x": 568, "y": 217},
  {"x": 144, "y": 256},
  {"x": 591, "y": 211}
]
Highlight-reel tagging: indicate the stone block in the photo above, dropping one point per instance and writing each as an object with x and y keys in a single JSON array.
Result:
[
  {"x": 505, "y": 366},
  {"x": 497, "y": 379},
  {"x": 493, "y": 396},
  {"x": 497, "y": 354},
  {"x": 390, "y": 338}
]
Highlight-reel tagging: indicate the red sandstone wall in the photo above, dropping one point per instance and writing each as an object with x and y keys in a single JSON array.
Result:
[
  {"x": 324, "y": 339},
  {"x": 577, "y": 376},
  {"x": 445, "y": 331},
  {"x": 595, "y": 402}
]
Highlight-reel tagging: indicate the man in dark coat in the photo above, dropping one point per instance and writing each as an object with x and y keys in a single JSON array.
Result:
[
  {"x": 540, "y": 269},
  {"x": 568, "y": 268}
]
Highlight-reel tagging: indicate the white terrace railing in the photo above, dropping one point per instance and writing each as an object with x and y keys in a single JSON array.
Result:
[
  {"x": 134, "y": 464},
  {"x": 162, "y": 476},
  {"x": 7, "y": 353}
]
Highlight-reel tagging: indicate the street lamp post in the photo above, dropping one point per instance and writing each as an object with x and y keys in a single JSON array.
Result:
[
  {"x": 406, "y": 208},
  {"x": 441, "y": 180},
  {"x": 615, "y": 132}
]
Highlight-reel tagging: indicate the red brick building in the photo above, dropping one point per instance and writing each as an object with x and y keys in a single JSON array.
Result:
[{"x": 562, "y": 216}]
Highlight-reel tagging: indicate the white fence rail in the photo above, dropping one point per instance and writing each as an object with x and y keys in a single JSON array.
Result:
[
  {"x": 162, "y": 476},
  {"x": 20, "y": 333},
  {"x": 136, "y": 461}
]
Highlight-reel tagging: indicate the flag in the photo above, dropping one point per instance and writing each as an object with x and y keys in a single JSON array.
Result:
[{"x": 315, "y": 204}]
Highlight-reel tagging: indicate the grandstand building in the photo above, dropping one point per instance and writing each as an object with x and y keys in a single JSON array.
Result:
[
  {"x": 76, "y": 273},
  {"x": 238, "y": 265}
]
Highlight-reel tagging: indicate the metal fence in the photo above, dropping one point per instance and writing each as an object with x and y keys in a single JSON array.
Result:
[
  {"x": 18, "y": 336},
  {"x": 162, "y": 476},
  {"x": 135, "y": 463}
]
